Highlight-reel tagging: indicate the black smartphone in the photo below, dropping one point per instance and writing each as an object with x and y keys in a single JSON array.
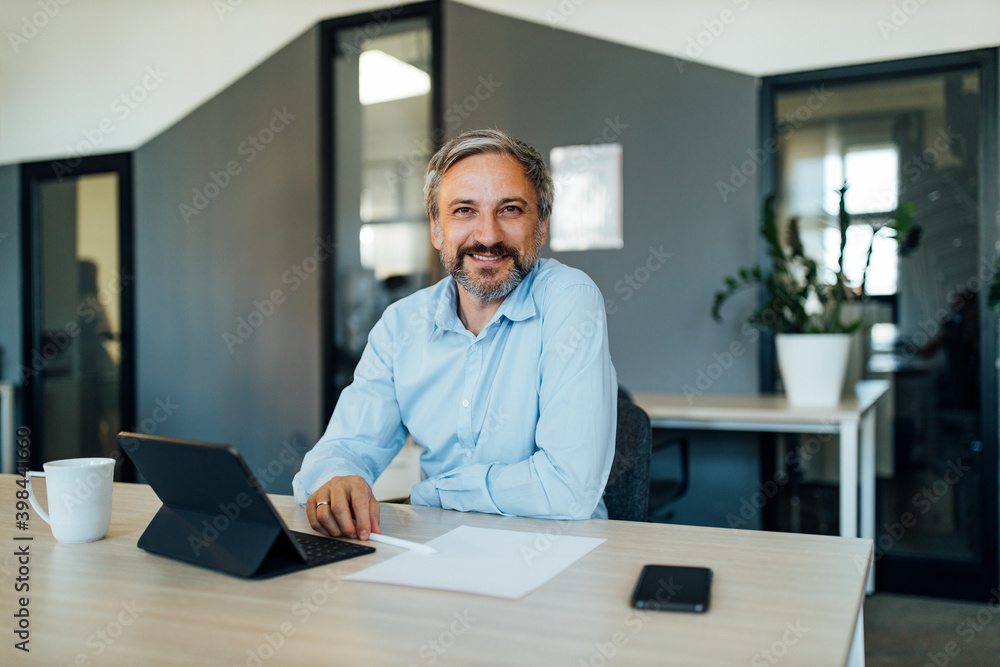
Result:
[{"x": 673, "y": 588}]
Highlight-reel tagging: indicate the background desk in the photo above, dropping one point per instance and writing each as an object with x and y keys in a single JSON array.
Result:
[
  {"x": 763, "y": 413},
  {"x": 765, "y": 584}
]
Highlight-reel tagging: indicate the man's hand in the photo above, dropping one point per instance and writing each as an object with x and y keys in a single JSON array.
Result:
[{"x": 344, "y": 506}]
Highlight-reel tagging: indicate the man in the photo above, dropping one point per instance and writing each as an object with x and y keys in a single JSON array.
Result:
[{"x": 501, "y": 372}]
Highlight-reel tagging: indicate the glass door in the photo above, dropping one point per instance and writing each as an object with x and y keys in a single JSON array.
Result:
[
  {"x": 382, "y": 106},
  {"x": 77, "y": 368},
  {"x": 907, "y": 153}
]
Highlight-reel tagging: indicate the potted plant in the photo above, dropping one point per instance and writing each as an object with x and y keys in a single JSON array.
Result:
[{"x": 803, "y": 307}]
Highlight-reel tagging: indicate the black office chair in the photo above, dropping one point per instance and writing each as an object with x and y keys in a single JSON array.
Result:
[
  {"x": 664, "y": 492},
  {"x": 626, "y": 494}
]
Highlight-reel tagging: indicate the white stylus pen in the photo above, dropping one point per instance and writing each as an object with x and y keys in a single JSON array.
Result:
[{"x": 396, "y": 542}]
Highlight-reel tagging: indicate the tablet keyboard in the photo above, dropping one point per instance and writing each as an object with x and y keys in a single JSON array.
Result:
[{"x": 320, "y": 550}]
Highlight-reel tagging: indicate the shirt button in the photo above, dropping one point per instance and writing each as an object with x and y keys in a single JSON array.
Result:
[
  {"x": 468, "y": 452},
  {"x": 465, "y": 404},
  {"x": 474, "y": 347}
]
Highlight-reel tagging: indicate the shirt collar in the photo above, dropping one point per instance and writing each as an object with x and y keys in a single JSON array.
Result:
[
  {"x": 516, "y": 307},
  {"x": 446, "y": 316},
  {"x": 519, "y": 305}
]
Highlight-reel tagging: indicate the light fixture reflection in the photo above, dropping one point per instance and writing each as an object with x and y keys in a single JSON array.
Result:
[
  {"x": 395, "y": 248},
  {"x": 383, "y": 78}
]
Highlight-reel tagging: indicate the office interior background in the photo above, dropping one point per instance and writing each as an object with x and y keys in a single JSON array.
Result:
[{"x": 204, "y": 207}]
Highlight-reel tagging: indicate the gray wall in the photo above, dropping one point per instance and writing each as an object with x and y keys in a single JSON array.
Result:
[
  {"x": 197, "y": 279},
  {"x": 682, "y": 127},
  {"x": 10, "y": 272}
]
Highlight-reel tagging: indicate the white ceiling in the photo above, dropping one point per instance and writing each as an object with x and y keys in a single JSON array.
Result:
[
  {"x": 763, "y": 37},
  {"x": 62, "y": 75}
]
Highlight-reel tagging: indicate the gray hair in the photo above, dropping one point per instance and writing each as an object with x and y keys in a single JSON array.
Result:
[{"x": 478, "y": 142}]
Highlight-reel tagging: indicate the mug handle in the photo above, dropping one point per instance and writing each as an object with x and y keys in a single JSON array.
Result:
[{"x": 31, "y": 496}]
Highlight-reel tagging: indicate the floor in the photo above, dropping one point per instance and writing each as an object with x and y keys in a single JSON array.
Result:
[{"x": 908, "y": 630}]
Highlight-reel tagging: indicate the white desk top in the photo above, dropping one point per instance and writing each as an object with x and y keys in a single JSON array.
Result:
[
  {"x": 764, "y": 584},
  {"x": 757, "y": 407}
]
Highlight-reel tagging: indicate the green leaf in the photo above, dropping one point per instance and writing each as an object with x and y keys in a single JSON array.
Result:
[
  {"x": 769, "y": 230},
  {"x": 903, "y": 219},
  {"x": 853, "y": 326},
  {"x": 845, "y": 221},
  {"x": 794, "y": 238}
]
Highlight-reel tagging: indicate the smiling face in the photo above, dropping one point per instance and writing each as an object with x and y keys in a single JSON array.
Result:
[{"x": 488, "y": 231}]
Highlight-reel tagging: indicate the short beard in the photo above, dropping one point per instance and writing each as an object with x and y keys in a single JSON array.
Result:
[{"x": 522, "y": 266}]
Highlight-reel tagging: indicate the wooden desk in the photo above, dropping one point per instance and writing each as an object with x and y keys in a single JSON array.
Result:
[
  {"x": 109, "y": 602},
  {"x": 763, "y": 413}
]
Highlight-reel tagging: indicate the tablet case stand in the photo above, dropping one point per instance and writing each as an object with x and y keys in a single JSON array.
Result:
[
  {"x": 214, "y": 512},
  {"x": 243, "y": 548}
]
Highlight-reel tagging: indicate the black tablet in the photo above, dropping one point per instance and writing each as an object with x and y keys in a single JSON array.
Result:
[{"x": 216, "y": 515}]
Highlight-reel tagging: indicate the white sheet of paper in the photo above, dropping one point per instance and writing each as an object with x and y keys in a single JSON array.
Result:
[{"x": 485, "y": 561}]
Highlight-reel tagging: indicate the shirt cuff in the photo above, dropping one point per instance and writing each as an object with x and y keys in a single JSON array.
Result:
[
  {"x": 425, "y": 493},
  {"x": 464, "y": 490}
]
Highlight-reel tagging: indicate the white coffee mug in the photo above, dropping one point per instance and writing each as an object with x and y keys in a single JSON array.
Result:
[{"x": 79, "y": 493}]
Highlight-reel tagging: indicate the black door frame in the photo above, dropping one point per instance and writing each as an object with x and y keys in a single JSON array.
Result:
[
  {"x": 32, "y": 174},
  {"x": 895, "y": 573},
  {"x": 367, "y": 24}
]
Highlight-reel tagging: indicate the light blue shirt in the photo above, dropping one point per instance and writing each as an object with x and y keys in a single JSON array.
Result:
[{"x": 519, "y": 420}]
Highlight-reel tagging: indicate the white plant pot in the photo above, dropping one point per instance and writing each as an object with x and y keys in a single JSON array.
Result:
[{"x": 812, "y": 367}]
